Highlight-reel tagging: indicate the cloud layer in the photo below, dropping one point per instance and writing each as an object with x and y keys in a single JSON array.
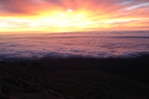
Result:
[{"x": 96, "y": 44}]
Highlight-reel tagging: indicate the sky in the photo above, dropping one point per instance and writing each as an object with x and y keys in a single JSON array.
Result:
[{"x": 73, "y": 15}]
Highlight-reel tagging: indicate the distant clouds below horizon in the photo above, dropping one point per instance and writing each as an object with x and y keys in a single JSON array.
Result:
[{"x": 73, "y": 15}]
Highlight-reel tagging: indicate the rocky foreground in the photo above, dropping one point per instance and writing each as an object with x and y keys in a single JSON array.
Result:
[{"x": 21, "y": 81}]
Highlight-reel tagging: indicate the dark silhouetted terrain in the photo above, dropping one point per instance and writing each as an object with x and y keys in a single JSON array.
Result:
[{"x": 75, "y": 78}]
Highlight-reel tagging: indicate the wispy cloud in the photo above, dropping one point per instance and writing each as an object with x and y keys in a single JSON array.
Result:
[{"x": 67, "y": 13}]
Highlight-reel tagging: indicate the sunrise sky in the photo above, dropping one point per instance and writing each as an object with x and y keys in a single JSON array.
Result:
[{"x": 73, "y": 15}]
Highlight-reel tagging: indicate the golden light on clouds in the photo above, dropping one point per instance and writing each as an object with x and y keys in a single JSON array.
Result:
[{"x": 73, "y": 15}]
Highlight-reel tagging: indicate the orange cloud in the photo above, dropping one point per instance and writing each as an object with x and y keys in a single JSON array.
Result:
[{"x": 73, "y": 15}]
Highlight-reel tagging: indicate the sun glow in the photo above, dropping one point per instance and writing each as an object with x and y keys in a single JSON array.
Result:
[
  {"x": 72, "y": 15},
  {"x": 69, "y": 10},
  {"x": 62, "y": 21}
]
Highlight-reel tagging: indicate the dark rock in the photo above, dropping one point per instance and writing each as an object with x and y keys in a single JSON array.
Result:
[
  {"x": 26, "y": 83},
  {"x": 0, "y": 88},
  {"x": 54, "y": 93},
  {"x": 2, "y": 62},
  {"x": 36, "y": 65},
  {"x": 43, "y": 95},
  {"x": 69, "y": 97},
  {"x": 3, "y": 96},
  {"x": 4, "y": 75},
  {"x": 8, "y": 87},
  {"x": 22, "y": 64},
  {"x": 32, "y": 90}
]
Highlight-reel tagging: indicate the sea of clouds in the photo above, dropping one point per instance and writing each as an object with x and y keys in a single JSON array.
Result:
[{"x": 64, "y": 45}]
